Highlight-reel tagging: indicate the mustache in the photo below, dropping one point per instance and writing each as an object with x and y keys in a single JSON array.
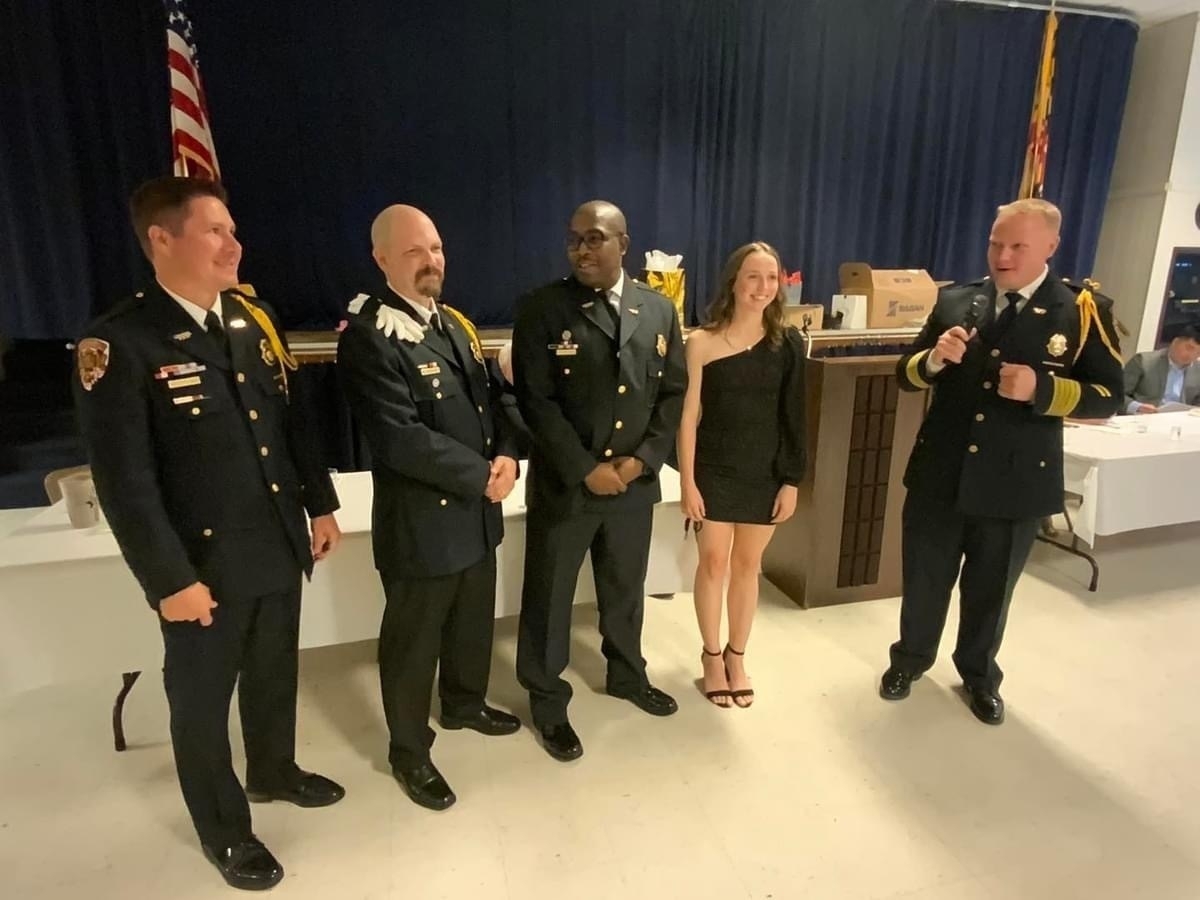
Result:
[{"x": 429, "y": 270}]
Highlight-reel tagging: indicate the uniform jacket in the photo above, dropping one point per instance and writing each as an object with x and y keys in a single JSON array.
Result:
[
  {"x": 196, "y": 455},
  {"x": 431, "y": 417},
  {"x": 588, "y": 394},
  {"x": 1003, "y": 458}
]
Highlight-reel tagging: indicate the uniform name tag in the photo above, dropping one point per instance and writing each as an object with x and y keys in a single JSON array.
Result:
[
  {"x": 176, "y": 383},
  {"x": 193, "y": 398},
  {"x": 567, "y": 347},
  {"x": 429, "y": 369}
]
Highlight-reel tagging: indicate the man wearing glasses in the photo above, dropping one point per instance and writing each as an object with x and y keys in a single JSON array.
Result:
[{"x": 600, "y": 379}]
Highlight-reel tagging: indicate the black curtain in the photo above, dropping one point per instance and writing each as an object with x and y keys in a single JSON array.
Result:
[
  {"x": 835, "y": 129},
  {"x": 83, "y": 119}
]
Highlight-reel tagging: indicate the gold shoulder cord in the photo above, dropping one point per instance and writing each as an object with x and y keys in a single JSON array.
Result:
[
  {"x": 1089, "y": 313},
  {"x": 259, "y": 315},
  {"x": 472, "y": 334}
]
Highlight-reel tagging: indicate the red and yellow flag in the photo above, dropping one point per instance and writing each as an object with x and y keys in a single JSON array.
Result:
[{"x": 1033, "y": 178}]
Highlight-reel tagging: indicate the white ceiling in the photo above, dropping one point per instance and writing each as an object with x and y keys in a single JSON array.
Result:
[{"x": 1150, "y": 11}]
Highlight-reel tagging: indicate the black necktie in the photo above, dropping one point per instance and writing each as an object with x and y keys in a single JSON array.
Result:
[
  {"x": 613, "y": 315},
  {"x": 216, "y": 330},
  {"x": 1008, "y": 315}
]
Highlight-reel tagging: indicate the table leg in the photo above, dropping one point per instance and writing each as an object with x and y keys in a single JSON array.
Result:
[
  {"x": 1073, "y": 549},
  {"x": 128, "y": 679}
]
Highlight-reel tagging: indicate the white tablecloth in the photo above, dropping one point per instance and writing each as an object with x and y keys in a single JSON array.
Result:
[
  {"x": 70, "y": 609},
  {"x": 1133, "y": 473}
]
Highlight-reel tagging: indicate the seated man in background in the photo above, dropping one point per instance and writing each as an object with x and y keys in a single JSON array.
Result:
[{"x": 1157, "y": 377}]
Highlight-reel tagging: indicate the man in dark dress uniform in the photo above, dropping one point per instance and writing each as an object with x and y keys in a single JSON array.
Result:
[
  {"x": 600, "y": 379},
  {"x": 1007, "y": 358},
  {"x": 205, "y": 477},
  {"x": 442, "y": 461}
]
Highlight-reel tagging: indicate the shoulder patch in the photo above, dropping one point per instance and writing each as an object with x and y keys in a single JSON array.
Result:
[{"x": 91, "y": 360}]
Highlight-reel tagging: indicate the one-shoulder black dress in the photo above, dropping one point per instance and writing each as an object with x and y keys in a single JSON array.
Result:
[{"x": 750, "y": 439}]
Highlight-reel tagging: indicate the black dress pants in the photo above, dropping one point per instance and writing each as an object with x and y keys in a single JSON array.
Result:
[
  {"x": 938, "y": 541},
  {"x": 447, "y": 619}
]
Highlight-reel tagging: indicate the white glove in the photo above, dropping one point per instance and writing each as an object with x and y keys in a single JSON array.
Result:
[{"x": 393, "y": 322}]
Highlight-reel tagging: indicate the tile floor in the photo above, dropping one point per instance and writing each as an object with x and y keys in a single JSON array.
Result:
[{"x": 822, "y": 790}]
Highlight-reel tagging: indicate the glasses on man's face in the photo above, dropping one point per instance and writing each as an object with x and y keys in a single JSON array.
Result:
[{"x": 594, "y": 239}]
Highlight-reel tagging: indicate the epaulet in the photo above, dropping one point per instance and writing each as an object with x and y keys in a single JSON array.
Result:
[
  {"x": 469, "y": 327},
  {"x": 119, "y": 309},
  {"x": 965, "y": 286},
  {"x": 1088, "y": 301},
  {"x": 1087, "y": 284},
  {"x": 354, "y": 307}
]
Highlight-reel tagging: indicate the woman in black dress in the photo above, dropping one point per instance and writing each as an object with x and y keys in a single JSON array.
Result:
[{"x": 741, "y": 453}]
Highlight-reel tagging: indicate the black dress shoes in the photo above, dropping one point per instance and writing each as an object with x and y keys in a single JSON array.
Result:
[
  {"x": 562, "y": 742},
  {"x": 307, "y": 790},
  {"x": 426, "y": 787},
  {"x": 246, "y": 865},
  {"x": 896, "y": 683},
  {"x": 986, "y": 704},
  {"x": 649, "y": 699},
  {"x": 489, "y": 721}
]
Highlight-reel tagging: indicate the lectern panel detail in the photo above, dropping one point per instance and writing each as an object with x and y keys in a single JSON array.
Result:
[{"x": 868, "y": 464}]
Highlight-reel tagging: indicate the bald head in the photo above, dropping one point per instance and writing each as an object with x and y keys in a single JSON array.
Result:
[
  {"x": 606, "y": 213},
  {"x": 596, "y": 243},
  {"x": 407, "y": 247}
]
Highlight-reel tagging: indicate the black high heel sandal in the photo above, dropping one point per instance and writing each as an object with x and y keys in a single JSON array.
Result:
[
  {"x": 713, "y": 696},
  {"x": 738, "y": 696}
]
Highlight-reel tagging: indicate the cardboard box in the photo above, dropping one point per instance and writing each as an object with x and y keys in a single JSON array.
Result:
[
  {"x": 813, "y": 314},
  {"x": 896, "y": 298}
]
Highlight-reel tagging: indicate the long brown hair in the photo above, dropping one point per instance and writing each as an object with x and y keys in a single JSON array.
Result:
[{"x": 720, "y": 311}]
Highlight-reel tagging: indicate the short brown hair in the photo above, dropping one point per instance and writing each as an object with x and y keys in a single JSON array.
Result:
[
  {"x": 1034, "y": 206},
  {"x": 162, "y": 201},
  {"x": 720, "y": 312}
]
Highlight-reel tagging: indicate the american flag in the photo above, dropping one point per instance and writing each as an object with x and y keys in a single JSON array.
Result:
[{"x": 191, "y": 137}]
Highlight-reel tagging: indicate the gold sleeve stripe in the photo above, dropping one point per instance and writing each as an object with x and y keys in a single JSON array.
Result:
[
  {"x": 1102, "y": 390},
  {"x": 913, "y": 370},
  {"x": 1067, "y": 393},
  {"x": 1089, "y": 312},
  {"x": 467, "y": 326}
]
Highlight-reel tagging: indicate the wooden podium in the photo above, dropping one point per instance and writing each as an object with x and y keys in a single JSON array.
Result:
[{"x": 843, "y": 544}]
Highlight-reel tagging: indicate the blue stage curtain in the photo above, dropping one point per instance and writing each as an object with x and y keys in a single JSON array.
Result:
[{"x": 835, "y": 129}]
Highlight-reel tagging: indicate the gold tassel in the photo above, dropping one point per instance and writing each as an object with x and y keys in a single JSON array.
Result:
[
  {"x": 259, "y": 315},
  {"x": 472, "y": 334},
  {"x": 1089, "y": 312}
]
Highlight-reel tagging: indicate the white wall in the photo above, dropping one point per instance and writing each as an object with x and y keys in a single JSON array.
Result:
[{"x": 1155, "y": 189}]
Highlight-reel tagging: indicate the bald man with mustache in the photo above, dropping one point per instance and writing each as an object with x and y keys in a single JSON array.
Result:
[{"x": 442, "y": 460}]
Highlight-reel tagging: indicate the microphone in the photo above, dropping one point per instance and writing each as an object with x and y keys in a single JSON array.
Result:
[{"x": 975, "y": 312}]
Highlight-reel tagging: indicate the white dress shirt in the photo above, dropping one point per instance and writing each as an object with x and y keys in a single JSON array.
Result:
[
  {"x": 194, "y": 310},
  {"x": 428, "y": 313}
]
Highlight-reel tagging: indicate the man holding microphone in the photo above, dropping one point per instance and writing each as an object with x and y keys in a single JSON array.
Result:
[{"x": 1007, "y": 359}]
